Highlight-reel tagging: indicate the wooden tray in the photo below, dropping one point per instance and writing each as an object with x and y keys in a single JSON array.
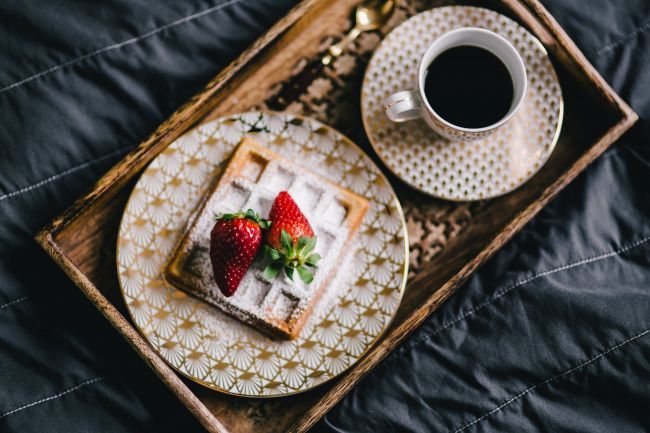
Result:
[{"x": 448, "y": 241}]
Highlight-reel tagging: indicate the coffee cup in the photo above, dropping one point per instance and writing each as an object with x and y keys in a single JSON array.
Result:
[{"x": 470, "y": 81}]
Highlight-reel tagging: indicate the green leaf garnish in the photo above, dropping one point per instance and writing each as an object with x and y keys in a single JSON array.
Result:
[
  {"x": 311, "y": 244},
  {"x": 302, "y": 242},
  {"x": 289, "y": 271},
  {"x": 249, "y": 214},
  {"x": 293, "y": 257},
  {"x": 306, "y": 276},
  {"x": 271, "y": 253},
  {"x": 264, "y": 224},
  {"x": 286, "y": 241},
  {"x": 312, "y": 260},
  {"x": 272, "y": 271}
]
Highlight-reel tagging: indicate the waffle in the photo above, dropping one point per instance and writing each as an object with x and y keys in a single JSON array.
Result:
[{"x": 253, "y": 178}]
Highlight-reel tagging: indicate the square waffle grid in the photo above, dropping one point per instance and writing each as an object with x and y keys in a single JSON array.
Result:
[{"x": 280, "y": 307}]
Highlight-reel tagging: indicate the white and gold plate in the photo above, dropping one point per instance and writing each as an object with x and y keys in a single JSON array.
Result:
[
  {"x": 215, "y": 349},
  {"x": 461, "y": 170}
]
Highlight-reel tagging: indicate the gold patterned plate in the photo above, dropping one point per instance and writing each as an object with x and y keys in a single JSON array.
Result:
[
  {"x": 461, "y": 170},
  {"x": 215, "y": 349}
]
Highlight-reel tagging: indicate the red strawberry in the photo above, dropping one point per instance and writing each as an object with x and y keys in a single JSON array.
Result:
[
  {"x": 234, "y": 242},
  {"x": 290, "y": 241}
]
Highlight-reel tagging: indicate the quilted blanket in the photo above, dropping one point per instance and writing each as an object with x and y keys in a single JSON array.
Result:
[{"x": 553, "y": 334}]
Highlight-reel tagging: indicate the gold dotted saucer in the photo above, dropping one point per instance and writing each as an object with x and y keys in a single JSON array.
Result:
[
  {"x": 461, "y": 170},
  {"x": 215, "y": 349}
]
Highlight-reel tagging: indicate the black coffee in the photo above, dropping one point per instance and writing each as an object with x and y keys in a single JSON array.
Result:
[{"x": 469, "y": 87}]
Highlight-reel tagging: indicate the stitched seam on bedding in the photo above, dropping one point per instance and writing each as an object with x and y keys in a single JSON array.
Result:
[
  {"x": 625, "y": 39},
  {"x": 547, "y": 381},
  {"x": 14, "y": 302},
  {"x": 64, "y": 173},
  {"x": 499, "y": 293},
  {"x": 53, "y": 397},
  {"x": 121, "y": 44}
]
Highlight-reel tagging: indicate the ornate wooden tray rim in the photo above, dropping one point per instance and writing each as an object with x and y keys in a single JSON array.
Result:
[{"x": 536, "y": 18}]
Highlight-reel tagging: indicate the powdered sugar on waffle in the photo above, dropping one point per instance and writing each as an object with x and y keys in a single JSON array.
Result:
[
  {"x": 281, "y": 298},
  {"x": 229, "y": 330}
]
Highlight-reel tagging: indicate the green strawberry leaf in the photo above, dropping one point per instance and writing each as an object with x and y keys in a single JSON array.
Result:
[
  {"x": 264, "y": 224},
  {"x": 311, "y": 244},
  {"x": 252, "y": 215},
  {"x": 272, "y": 271},
  {"x": 306, "y": 276},
  {"x": 289, "y": 271},
  {"x": 302, "y": 242},
  {"x": 272, "y": 254},
  {"x": 312, "y": 260},
  {"x": 286, "y": 241}
]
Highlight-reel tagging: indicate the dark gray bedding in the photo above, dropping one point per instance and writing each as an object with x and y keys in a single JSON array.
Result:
[
  {"x": 81, "y": 83},
  {"x": 553, "y": 334}
]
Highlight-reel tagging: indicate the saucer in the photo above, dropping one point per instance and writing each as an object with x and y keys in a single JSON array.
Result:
[
  {"x": 461, "y": 170},
  {"x": 215, "y": 349}
]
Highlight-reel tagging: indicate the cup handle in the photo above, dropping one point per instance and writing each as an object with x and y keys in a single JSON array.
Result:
[{"x": 403, "y": 106}]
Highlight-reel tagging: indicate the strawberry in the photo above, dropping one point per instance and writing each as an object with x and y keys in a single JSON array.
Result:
[
  {"x": 234, "y": 242},
  {"x": 290, "y": 241}
]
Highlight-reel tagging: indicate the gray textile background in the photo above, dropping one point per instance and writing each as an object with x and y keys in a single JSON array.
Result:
[
  {"x": 551, "y": 335},
  {"x": 81, "y": 83}
]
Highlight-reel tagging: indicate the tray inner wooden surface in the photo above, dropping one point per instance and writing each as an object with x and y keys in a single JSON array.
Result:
[{"x": 443, "y": 236}]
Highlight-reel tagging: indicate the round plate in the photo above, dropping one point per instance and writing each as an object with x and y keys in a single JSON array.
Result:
[
  {"x": 215, "y": 349},
  {"x": 461, "y": 170}
]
